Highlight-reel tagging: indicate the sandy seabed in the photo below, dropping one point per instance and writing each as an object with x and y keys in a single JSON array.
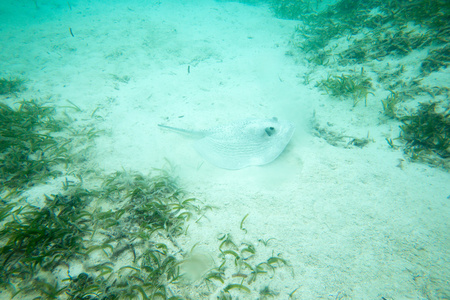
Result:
[{"x": 352, "y": 223}]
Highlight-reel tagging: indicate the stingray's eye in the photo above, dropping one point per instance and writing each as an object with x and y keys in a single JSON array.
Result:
[{"x": 270, "y": 130}]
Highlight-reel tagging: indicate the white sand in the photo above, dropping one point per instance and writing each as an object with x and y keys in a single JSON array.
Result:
[{"x": 352, "y": 224}]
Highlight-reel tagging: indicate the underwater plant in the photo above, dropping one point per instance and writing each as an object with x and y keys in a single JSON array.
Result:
[
  {"x": 152, "y": 204},
  {"x": 41, "y": 239},
  {"x": 292, "y": 10},
  {"x": 240, "y": 266},
  {"x": 267, "y": 293},
  {"x": 389, "y": 105},
  {"x": 149, "y": 214},
  {"x": 354, "y": 86},
  {"x": 353, "y": 34},
  {"x": 355, "y": 54},
  {"x": 310, "y": 39},
  {"x": 427, "y": 134},
  {"x": 390, "y": 33},
  {"x": 387, "y": 20},
  {"x": 11, "y": 86},
  {"x": 382, "y": 42},
  {"x": 38, "y": 142},
  {"x": 423, "y": 12},
  {"x": 28, "y": 148},
  {"x": 436, "y": 59}
]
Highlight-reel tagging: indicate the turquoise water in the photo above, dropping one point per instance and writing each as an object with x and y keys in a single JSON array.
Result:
[{"x": 353, "y": 206}]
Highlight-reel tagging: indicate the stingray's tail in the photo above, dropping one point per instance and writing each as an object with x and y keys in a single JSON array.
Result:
[{"x": 191, "y": 133}]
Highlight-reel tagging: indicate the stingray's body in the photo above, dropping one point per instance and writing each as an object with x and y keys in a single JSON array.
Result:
[{"x": 242, "y": 143}]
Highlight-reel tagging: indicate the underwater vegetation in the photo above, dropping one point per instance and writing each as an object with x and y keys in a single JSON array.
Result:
[
  {"x": 356, "y": 87},
  {"x": 62, "y": 232},
  {"x": 149, "y": 213},
  {"x": 312, "y": 40},
  {"x": 38, "y": 142},
  {"x": 431, "y": 13},
  {"x": 242, "y": 260},
  {"x": 29, "y": 146},
  {"x": 292, "y": 10},
  {"x": 425, "y": 131},
  {"x": 389, "y": 32},
  {"x": 41, "y": 239},
  {"x": 390, "y": 105},
  {"x": 377, "y": 35},
  {"x": 383, "y": 42},
  {"x": 427, "y": 134},
  {"x": 436, "y": 59},
  {"x": 11, "y": 86},
  {"x": 151, "y": 204}
]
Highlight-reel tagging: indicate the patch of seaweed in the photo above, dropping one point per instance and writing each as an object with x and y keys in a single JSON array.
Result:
[
  {"x": 356, "y": 87},
  {"x": 427, "y": 134},
  {"x": 28, "y": 147},
  {"x": 11, "y": 86},
  {"x": 436, "y": 59}
]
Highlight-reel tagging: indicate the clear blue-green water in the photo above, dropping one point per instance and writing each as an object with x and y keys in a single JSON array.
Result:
[{"x": 354, "y": 207}]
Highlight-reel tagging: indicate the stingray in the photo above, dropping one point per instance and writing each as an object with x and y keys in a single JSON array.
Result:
[{"x": 249, "y": 142}]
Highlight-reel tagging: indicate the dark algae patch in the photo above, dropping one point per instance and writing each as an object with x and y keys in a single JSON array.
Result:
[
  {"x": 29, "y": 148},
  {"x": 436, "y": 60},
  {"x": 41, "y": 239},
  {"x": 427, "y": 134},
  {"x": 357, "y": 87},
  {"x": 11, "y": 86}
]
